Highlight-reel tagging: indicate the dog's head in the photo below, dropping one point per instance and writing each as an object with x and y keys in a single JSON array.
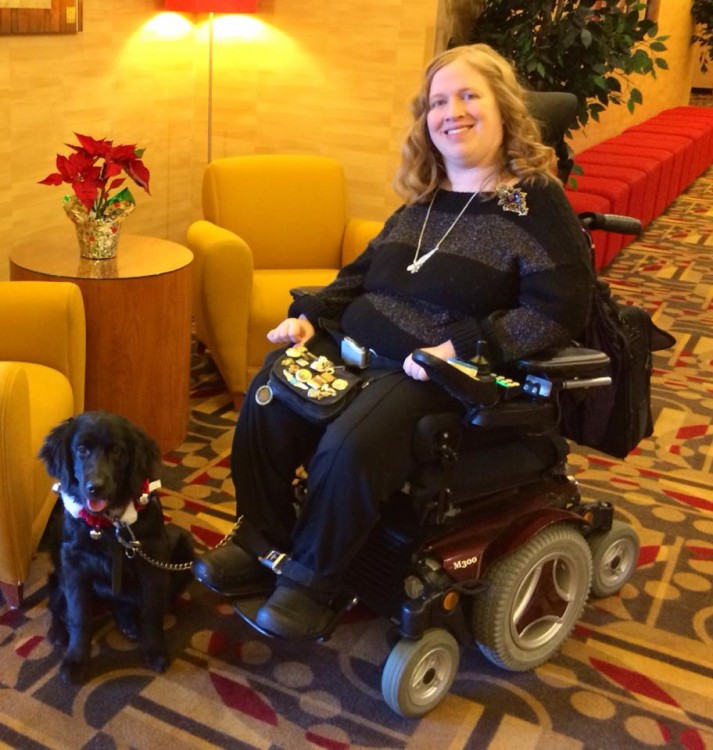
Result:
[{"x": 102, "y": 460}]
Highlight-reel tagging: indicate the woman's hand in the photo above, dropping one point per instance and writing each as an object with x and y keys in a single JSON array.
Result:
[
  {"x": 292, "y": 331},
  {"x": 446, "y": 350}
]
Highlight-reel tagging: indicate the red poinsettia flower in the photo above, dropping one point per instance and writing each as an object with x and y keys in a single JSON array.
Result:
[{"x": 94, "y": 168}]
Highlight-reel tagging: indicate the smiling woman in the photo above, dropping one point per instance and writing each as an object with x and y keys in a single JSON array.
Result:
[{"x": 40, "y": 16}]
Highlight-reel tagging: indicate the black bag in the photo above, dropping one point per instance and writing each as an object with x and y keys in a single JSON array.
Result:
[
  {"x": 311, "y": 384},
  {"x": 614, "y": 420}
]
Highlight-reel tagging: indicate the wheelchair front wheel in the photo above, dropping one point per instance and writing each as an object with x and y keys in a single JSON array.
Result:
[
  {"x": 418, "y": 674},
  {"x": 535, "y": 596},
  {"x": 615, "y": 554}
]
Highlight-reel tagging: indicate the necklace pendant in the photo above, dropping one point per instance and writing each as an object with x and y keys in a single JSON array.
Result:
[{"x": 415, "y": 267}]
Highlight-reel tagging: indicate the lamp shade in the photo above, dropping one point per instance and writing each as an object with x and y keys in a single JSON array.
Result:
[{"x": 211, "y": 6}]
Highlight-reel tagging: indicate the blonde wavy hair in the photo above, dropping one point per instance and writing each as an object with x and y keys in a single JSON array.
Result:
[{"x": 523, "y": 154}]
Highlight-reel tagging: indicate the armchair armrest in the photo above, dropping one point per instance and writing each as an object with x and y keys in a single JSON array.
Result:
[
  {"x": 357, "y": 235},
  {"x": 46, "y": 325},
  {"x": 16, "y": 460},
  {"x": 222, "y": 285}
]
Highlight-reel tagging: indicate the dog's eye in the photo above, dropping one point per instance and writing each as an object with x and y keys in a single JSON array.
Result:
[
  {"x": 115, "y": 451},
  {"x": 82, "y": 451}
]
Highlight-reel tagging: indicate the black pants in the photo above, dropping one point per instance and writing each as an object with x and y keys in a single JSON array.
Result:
[{"x": 354, "y": 465}]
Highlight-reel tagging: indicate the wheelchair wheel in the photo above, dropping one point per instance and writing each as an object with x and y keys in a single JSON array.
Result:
[
  {"x": 418, "y": 674},
  {"x": 614, "y": 557},
  {"x": 535, "y": 597}
]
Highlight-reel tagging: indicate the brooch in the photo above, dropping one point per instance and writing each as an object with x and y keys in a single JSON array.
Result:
[{"x": 512, "y": 199}]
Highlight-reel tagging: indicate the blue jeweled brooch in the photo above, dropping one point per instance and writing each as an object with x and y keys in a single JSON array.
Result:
[{"x": 512, "y": 199}]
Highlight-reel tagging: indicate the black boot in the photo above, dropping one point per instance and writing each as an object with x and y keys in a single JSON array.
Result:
[
  {"x": 232, "y": 571},
  {"x": 295, "y": 611}
]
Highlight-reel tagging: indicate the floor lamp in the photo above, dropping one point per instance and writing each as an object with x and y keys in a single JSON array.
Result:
[{"x": 211, "y": 7}]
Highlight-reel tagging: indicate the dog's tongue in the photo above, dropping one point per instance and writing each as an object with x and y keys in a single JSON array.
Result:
[{"x": 96, "y": 505}]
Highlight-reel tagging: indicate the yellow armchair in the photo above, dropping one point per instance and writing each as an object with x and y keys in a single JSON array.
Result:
[
  {"x": 271, "y": 223},
  {"x": 42, "y": 365}
]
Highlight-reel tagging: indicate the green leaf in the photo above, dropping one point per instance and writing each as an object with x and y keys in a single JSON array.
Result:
[
  {"x": 635, "y": 96},
  {"x": 586, "y": 37}
]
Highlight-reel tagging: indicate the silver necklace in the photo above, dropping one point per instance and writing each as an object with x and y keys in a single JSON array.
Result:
[{"x": 418, "y": 259}]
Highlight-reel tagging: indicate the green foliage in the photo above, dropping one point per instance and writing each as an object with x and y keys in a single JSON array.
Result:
[
  {"x": 588, "y": 47},
  {"x": 702, "y": 12}
]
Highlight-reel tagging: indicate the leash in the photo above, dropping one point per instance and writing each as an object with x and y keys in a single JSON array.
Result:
[{"x": 132, "y": 546}]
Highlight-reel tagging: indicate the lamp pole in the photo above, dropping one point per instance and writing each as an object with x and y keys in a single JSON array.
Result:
[{"x": 210, "y": 86}]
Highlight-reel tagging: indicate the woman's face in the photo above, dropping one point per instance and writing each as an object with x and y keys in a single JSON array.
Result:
[{"x": 464, "y": 119}]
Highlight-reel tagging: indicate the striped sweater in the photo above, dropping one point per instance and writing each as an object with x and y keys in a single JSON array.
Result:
[{"x": 520, "y": 283}]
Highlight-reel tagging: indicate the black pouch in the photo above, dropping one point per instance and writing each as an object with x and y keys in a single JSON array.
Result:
[
  {"x": 316, "y": 386},
  {"x": 614, "y": 420}
]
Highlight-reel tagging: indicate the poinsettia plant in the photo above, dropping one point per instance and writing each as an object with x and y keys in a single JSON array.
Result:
[{"x": 96, "y": 168}]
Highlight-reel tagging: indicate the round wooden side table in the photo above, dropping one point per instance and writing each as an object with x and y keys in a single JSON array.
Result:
[{"x": 138, "y": 309}]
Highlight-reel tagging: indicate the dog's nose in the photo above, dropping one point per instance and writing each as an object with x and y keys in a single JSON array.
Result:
[{"x": 95, "y": 488}]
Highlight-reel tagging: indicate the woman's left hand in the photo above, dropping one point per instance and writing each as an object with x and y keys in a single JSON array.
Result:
[{"x": 445, "y": 350}]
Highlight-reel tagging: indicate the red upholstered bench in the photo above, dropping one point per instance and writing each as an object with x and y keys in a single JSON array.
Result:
[
  {"x": 701, "y": 127},
  {"x": 642, "y": 170},
  {"x": 626, "y": 152},
  {"x": 674, "y": 134},
  {"x": 679, "y": 149},
  {"x": 612, "y": 157},
  {"x": 617, "y": 193},
  {"x": 581, "y": 202},
  {"x": 636, "y": 179}
]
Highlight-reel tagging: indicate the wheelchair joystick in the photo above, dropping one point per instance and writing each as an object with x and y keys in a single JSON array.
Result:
[{"x": 482, "y": 358}]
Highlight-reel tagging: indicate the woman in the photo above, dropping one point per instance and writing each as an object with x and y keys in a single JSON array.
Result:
[{"x": 485, "y": 248}]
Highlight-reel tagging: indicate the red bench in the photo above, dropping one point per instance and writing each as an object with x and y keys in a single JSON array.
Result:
[{"x": 641, "y": 171}]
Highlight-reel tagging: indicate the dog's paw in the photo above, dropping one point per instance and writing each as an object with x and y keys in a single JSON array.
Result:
[
  {"x": 72, "y": 670},
  {"x": 156, "y": 660}
]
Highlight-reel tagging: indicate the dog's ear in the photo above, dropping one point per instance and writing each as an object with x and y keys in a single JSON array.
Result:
[
  {"x": 146, "y": 458},
  {"x": 56, "y": 451}
]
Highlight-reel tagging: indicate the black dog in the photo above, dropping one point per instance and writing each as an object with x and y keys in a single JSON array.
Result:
[{"x": 113, "y": 531}]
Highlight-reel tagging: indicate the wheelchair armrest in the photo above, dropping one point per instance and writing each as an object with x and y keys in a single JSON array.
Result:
[
  {"x": 567, "y": 359},
  {"x": 304, "y": 291},
  {"x": 566, "y": 368}
]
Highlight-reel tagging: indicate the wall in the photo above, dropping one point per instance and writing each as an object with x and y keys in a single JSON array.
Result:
[{"x": 325, "y": 76}]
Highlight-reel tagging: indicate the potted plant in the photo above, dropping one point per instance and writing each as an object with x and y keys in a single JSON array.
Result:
[
  {"x": 588, "y": 47},
  {"x": 94, "y": 169},
  {"x": 702, "y": 12}
]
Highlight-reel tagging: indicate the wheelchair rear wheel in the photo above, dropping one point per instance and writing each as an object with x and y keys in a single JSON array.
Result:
[
  {"x": 614, "y": 557},
  {"x": 535, "y": 597},
  {"x": 418, "y": 674}
]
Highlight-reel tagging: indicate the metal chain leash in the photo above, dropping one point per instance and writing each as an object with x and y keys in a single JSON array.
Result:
[{"x": 132, "y": 547}]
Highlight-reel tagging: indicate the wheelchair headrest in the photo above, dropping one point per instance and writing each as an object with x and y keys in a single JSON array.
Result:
[{"x": 555, "y": 112}]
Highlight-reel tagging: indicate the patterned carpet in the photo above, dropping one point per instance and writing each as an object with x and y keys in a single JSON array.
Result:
[{"x": 637, "y": 673}]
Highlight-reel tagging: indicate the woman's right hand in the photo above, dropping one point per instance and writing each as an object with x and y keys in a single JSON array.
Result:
[{"x": 292, "y": 331}]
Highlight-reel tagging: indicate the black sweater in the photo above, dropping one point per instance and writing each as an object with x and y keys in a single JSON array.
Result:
[{"x": 521, "y": 283}]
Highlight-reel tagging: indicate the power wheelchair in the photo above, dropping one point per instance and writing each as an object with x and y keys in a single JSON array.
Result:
[{"x": 476, "y": 549}]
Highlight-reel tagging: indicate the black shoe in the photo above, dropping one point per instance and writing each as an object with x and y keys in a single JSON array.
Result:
[
  {"x": 232, "y": 571},
  {"x": 293, "y": 613}
]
